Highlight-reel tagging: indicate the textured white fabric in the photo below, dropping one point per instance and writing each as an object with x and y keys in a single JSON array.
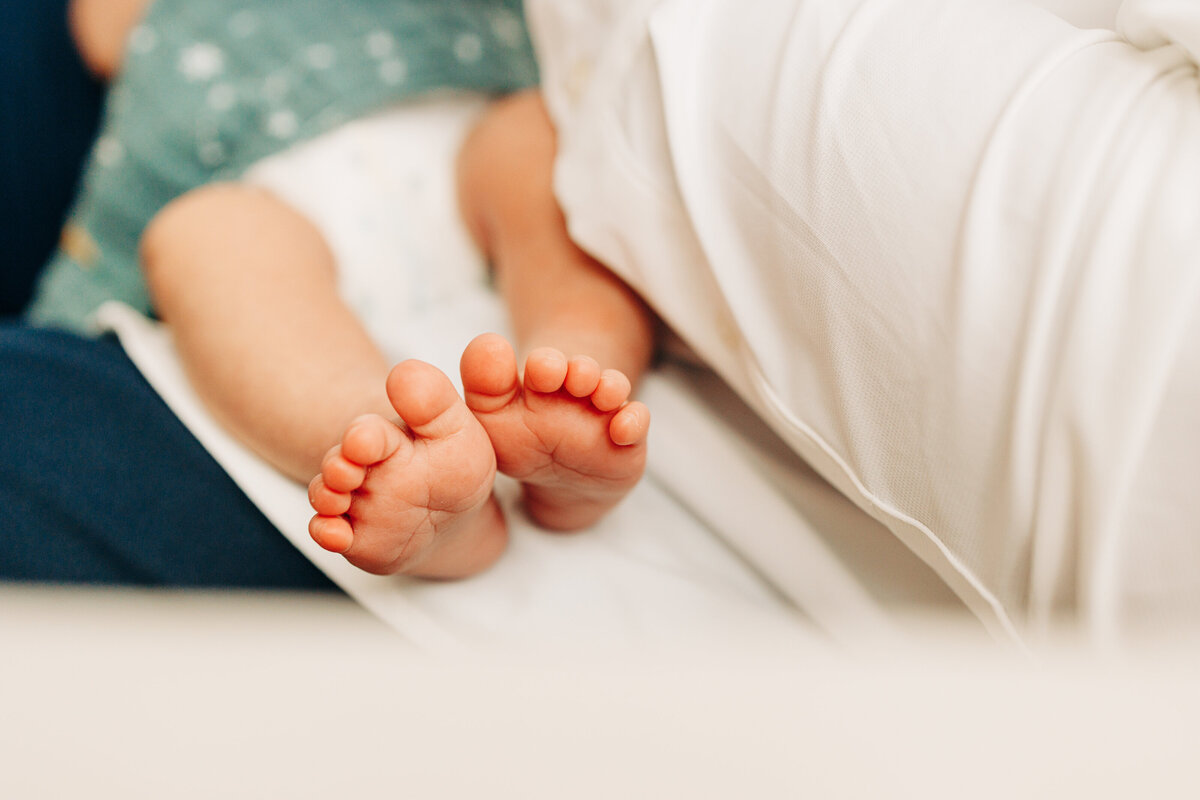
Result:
[{"x": 950, "y": 251}]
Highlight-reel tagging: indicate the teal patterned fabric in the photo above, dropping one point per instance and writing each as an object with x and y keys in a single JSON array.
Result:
[{"x": 209, "y": 87}]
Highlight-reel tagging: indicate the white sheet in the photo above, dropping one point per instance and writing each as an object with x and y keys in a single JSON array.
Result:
[
  {"x": 947, "y": 249},
  {"x": 728, "y": 538}
]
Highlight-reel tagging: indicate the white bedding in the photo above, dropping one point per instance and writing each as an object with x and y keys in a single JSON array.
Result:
[
  {"x": 729, "y": 537},
  {"x": 985, "y": 352},
  {"x": 946, "y": 249}
]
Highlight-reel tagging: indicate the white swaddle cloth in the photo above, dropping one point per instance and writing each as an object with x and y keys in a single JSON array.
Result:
[{"x": 688, "y": 558}]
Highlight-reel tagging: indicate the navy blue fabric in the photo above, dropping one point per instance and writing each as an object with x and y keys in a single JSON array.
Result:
[
  {"x": 100, "y": 483},
  {"x": 49, "y": 108}
]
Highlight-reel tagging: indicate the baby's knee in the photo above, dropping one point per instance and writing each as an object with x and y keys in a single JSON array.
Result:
[
  {"x": 223, "y": 229},
  {"x": 191, "y": 225}
]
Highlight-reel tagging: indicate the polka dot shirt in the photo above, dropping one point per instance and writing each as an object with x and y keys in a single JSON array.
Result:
[{"x": 208, "y": 88}]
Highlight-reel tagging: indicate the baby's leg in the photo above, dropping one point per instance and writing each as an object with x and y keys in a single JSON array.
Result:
[
  {"x": 558, "y": 295},
  {"x": 565, "y": 432},
  {"x": 248, "y": 287}
]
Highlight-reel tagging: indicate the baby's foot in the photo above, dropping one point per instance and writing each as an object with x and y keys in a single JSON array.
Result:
[
  {"x": 568, "y": 434},
  {"x": 416, "y": 500}
]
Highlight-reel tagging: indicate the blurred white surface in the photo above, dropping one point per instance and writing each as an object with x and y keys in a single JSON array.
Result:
[{"x": 136, "y": 694}]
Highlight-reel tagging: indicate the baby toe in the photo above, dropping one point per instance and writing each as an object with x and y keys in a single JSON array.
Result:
[
  {"x": 427, "y": 402},
  {"x": 370, "y": 439},
  {"x": 326, "y": 501},
  {"x": 630, "y": 425},
  {"x": 489, "y": 372},
  {"x": 583, "y": 376},
  {"x": 613, "y": 390},
  {"x": 340, "y": 474},
  {"x": 545, "y": 370},
  {"x": 331, "y": 533}
]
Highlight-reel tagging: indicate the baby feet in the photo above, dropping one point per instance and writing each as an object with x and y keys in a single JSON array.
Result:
[
  {"x": 413, "y": 498},
  {"x": 416, "y": 497},
  {"x": 566, "y": 433}
]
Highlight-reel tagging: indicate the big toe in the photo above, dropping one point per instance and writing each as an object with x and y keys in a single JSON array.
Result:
[
  {"x": 489, "y": 372},
  {"x": 426, "y": 399}
]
